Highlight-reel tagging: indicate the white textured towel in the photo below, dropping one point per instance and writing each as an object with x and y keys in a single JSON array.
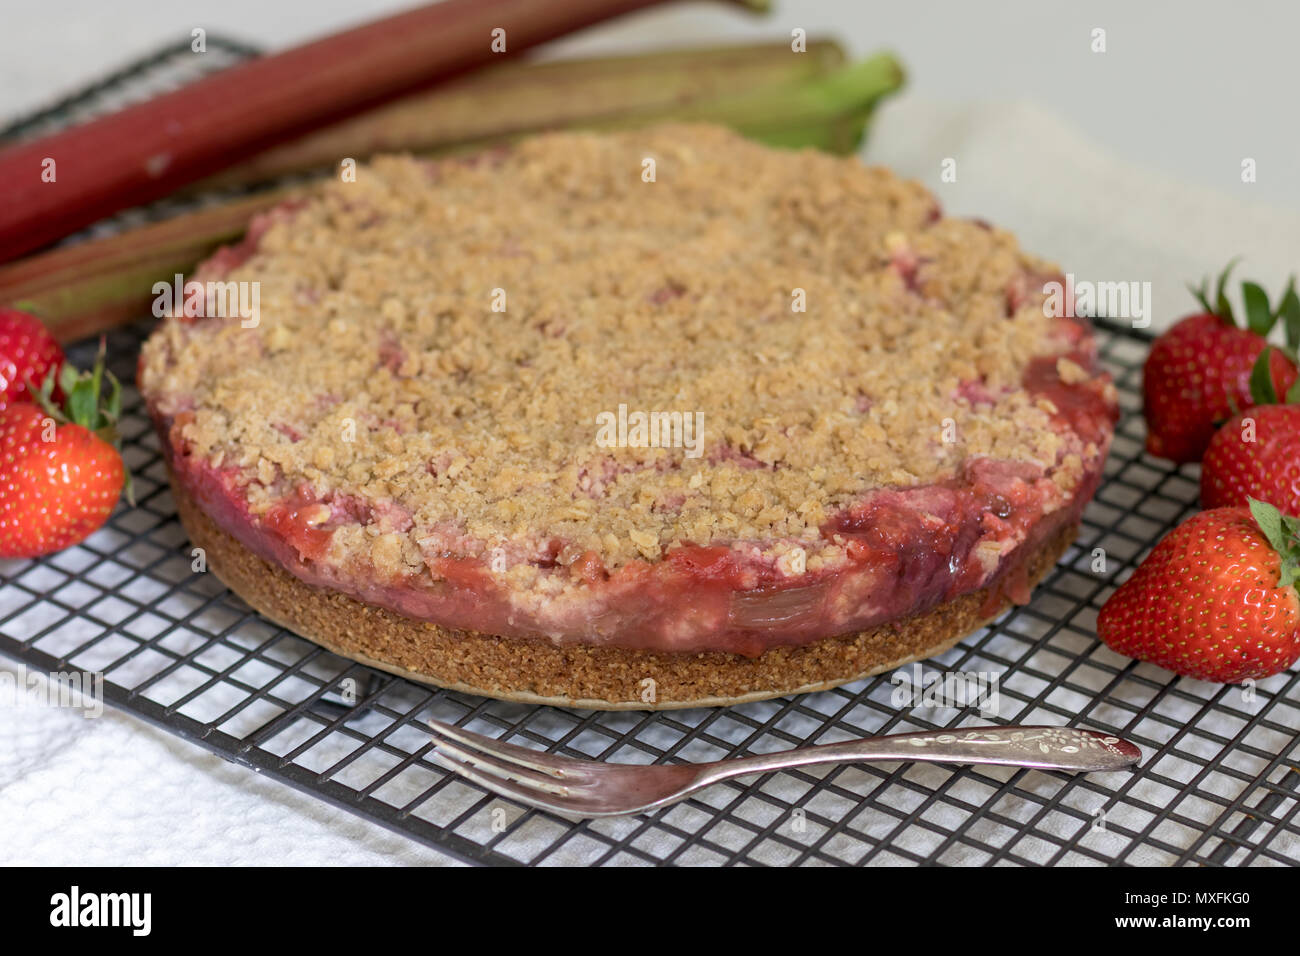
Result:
[{"x": 113, "y": 790}]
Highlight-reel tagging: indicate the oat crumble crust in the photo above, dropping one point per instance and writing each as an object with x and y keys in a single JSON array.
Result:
[{"x": 376, "y": 308}]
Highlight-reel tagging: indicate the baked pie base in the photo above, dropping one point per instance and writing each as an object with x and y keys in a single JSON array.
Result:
[{"x": 586, "y": 676}]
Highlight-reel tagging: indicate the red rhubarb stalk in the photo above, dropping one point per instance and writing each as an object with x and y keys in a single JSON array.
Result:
[
  {"x": 763, "y": 91},
  {"x": 54, "y": 185}
]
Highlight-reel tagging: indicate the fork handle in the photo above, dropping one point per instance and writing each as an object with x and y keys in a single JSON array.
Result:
[{"x": 1046, "y": 748}]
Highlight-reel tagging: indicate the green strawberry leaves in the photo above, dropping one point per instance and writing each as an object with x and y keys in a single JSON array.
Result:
[
  {"x": 1259, "y": 314},
  {"x": 83, "y": 401},
  {"x": 1288, "y": 311},
  {"x": 1262, "y": 391},
  {"x": 85, "y": 404},
  {"x": 1283, "y": 535},
  {"x": 1198, "y": 293},
  {"x": 1260, "y": 319},
  {"x": 1220, "y": 306}
]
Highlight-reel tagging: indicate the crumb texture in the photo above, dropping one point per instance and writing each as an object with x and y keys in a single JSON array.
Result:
[{"x": 437, "y": 340}]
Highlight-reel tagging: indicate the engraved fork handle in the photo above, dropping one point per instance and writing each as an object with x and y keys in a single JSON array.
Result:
[{"x": 1049, "y": 748}]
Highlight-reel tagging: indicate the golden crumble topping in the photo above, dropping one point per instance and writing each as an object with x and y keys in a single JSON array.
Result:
[{"x": 438, "y": 344}]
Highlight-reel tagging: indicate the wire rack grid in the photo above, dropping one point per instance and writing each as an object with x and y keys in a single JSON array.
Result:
[{"x": 175, "y": 648}]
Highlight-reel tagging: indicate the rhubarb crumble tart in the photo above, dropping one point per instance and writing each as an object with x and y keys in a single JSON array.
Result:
[{"x": 402, "y": 458}]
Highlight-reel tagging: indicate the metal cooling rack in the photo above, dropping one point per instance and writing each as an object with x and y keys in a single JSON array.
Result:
[{"x": 178, "y": 650}]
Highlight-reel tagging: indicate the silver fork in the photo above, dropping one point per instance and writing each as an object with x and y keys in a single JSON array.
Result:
[{"x": 592, "y": 788}]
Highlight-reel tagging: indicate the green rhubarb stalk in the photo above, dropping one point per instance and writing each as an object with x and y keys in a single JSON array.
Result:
[
  {"x": 517, "y": 98},
  {"x": 828, "y": 112},
  {"x": 88, "y": 288}
]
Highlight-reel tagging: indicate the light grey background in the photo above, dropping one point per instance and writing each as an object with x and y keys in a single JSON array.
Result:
[{"x": 1186, "y": 87}]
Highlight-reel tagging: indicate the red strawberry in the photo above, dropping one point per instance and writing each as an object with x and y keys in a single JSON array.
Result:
[
  {"x": 1216, "y": 598},
  {"x": 1257, "y": 453},
  {"x": 1198, "y": 372},
  {"x": 27, "y": 353},
  {"x": 59, "y": 475}
]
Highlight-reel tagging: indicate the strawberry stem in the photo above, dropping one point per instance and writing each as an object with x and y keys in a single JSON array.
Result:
[
  {"x": 85, "y": 405},
  {"x": 1283, "y": 535}
]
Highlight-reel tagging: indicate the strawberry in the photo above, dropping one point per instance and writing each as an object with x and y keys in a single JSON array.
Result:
[
  {"x": 1216, "y": 599},
  {"x": 27, "y": 354},
  {"x": 60, "y": 474},
  {"x": 1198, "y": 372},
  {"x": 1256, "y": 454}
]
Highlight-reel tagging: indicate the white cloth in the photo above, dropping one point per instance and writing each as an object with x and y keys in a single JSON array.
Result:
[
  {"x": 113, "y": 790},
  {"x": 1069, "y": 201}
]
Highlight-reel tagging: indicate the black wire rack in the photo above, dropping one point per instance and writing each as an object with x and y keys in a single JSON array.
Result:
[{"x": 175, "y": 648}]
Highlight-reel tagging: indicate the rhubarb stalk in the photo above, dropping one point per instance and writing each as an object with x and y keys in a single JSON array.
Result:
[
  {"x": 88, "y": 288},
  {"x": 514, "y": 98},
  {"x": 54, "y": 185},
  {"x": 828, "y": 112},
  {"x": 83, "y": 289}
]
